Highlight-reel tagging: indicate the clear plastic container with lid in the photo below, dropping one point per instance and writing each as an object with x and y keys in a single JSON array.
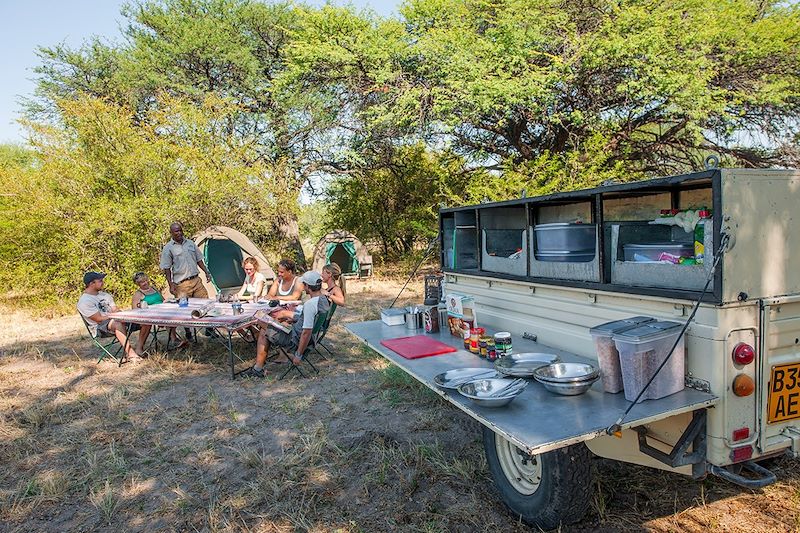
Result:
[
  {"x": 607, "y": 353},
  {"x": 642, "y": 350}
]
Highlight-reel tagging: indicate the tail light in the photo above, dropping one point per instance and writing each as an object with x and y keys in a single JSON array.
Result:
[
  {"x": 743, "y": 385},
  {"x": 743, "y": 354},
  {"x": 742, "y": 454},
  {"x": 741, "y": 434}
]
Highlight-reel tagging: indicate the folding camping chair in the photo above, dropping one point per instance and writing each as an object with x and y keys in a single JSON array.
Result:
[
  {"x": 319, "y": 322},
  {"x": 104, "y": 348},
  {"x": 316, "y": 340}
]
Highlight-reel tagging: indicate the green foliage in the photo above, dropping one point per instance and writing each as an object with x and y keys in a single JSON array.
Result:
[
  {"x": 107, "y": 189},
  {"x": 393, "y": 199}
]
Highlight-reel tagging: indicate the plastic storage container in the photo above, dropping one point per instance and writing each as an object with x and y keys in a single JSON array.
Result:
[
  {"x": 657, "y": 251},
  {"x": 393, "y": 317},
  {"x": 641, "y": 351},
  {"x": 607, "y": 353}
]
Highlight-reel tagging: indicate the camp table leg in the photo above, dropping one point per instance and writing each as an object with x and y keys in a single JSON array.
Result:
[{"x": 125, "y": 346}]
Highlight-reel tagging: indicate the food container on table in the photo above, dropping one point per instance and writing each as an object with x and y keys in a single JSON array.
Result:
[
  {"x": 502, "y": 343},
  {"x": 657, "y": 251},
  {"x": 414, "y": 317},
  {"x": 393, "y": 317},
  {"x": 642, "y": 350},
  {"x": 606, "y": 350}
]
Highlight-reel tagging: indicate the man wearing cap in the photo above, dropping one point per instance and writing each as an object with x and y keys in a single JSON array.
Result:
[
  {"x": 297, "y": 340},
  {"x": 94, "y": 306}
]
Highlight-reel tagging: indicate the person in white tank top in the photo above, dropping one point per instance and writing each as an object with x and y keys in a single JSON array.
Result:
[{"x": 286, "y": 286}]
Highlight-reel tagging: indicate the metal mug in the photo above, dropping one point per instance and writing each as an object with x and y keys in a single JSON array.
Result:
[{"x": 143, "y": 305}]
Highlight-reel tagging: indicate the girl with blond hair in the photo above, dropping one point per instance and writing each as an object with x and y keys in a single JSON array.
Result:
[{"x": 334, "y": 282}]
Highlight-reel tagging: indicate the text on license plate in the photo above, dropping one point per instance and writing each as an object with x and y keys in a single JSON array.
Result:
[{"x": 784, "y": 393}]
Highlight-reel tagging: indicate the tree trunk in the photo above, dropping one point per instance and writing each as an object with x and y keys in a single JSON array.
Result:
[{"x": 289, "y": 230}]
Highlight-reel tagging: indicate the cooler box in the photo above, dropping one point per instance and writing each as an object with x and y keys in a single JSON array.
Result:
[
  {"x": 607, "y": 353},
  {"x": 641, "y": 351}
]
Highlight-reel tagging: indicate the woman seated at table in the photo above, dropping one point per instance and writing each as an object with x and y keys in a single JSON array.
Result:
[
  {"x": 148, "y": 294},
  {"x": 287, "y": 286},
  {"x": 253, "y": 280},
  {"x": 334, "y": 283}
]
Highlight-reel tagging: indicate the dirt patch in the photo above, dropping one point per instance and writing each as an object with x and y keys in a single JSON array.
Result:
[{"x": 176, "y": 445}]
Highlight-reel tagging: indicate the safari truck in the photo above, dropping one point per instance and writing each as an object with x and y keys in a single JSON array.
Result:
[{"x": 738, "y": 305}]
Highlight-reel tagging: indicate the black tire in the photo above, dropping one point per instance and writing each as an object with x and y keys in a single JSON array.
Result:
[{"x": 545, "y": 490}]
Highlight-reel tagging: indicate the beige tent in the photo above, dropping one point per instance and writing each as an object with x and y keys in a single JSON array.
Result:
[
  {"x": 223, "y": 251},
  {"x": 344, "y": 249}
]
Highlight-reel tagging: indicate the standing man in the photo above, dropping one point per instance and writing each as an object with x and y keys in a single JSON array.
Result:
[
  {"x": 182, "y": 262},
  {"x": 94, "y": 306}
]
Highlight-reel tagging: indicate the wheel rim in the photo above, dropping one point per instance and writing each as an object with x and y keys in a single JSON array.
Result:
[{"x": 523, "y": 471}]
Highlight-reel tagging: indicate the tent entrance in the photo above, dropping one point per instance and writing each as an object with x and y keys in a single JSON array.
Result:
[
  {"x": 344, "y": 255},
  {"x": 223, "y": 258}
]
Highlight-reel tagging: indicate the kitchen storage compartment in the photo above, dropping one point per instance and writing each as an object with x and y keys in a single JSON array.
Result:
[
  {"x": 565, "y": 251},
  {"x": 504, "y": 240},
  {"x": 459, "y": 241},
  {"x": 635, "y": 250},
  {"x": 606, "y": 350},
  {"x": 642, "y": 350}
]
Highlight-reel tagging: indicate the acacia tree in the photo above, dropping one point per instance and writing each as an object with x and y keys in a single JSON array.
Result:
[
  {"x": 233, "y": 49},
  {"x": 103, "y": 191},
  {"x": 558, "y": 95}
]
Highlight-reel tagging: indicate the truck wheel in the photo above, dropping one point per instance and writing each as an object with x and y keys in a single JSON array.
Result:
[{"x": 545, "y": 490}]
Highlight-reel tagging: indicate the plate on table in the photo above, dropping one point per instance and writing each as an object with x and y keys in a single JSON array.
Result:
[
  {"x": 522, "y": 365},
  {"x": 458, "y": 376}
]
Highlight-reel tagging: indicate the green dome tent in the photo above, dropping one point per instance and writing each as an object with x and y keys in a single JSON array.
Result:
[
  {"x": 344, "y": 249},
  {"x": 223, "y": 250}
]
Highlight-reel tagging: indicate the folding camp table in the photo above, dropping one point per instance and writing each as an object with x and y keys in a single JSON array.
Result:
[
  {"x": 221, "y": 319},
  {"x": 537, "y": 421}
]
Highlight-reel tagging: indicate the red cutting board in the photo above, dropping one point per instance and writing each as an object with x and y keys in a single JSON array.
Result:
[{"x": 417, "y": 346}]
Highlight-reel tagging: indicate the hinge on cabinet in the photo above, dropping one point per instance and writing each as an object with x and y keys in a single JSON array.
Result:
[{"x": 697, "y": 384}]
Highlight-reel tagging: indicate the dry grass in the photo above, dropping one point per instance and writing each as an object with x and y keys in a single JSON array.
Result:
[{"x": 175, "y": 445}]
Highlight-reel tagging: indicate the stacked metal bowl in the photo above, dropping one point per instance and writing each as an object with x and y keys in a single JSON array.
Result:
[{"x": 568, "y": 379}]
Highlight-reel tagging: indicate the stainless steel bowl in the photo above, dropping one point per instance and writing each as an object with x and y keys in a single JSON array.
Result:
[
  {"x": 566, "y": 373},
  {"x": 568, "y": 389},
  {"x": 480, "y": 391}
]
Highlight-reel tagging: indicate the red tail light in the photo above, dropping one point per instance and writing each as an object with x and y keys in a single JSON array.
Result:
[
  {"x": 743, "y": 354},
  {"x": 741, "y": 434},
  {"x": 742, "y": 454}
]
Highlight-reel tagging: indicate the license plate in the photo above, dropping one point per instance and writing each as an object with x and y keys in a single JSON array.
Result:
[{"x": 784, "y": 393}]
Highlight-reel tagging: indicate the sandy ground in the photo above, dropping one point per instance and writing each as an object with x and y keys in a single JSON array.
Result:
[{"x": 175, "y": 445}]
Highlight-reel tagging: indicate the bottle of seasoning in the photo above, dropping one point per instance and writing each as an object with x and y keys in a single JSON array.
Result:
[
  {"x": 491, "y": 351},
  {"x": 475, "y": 335},
  {"x": 502, "y": 341},
  {"x": 483, "y": 346},
  {"x": 467, "y": 334},
  {"x": 699, "y": 236}
]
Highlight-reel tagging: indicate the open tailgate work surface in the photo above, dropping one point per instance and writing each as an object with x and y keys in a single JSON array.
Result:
[{"x": 536, "y": 421}]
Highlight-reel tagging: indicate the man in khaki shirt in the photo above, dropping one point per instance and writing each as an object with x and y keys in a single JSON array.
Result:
[{"x": 181, "y": 262}]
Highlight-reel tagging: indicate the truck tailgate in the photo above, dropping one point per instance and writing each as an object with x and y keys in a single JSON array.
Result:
[{"x": 536, "y": 421}]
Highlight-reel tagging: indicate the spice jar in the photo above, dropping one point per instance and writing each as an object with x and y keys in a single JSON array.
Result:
[
  {"x": 466, "y": 332},
  {"x": 502, "y": 341},
  {"x": 483, "y": 346},
  {"x": 491, "y": 351},
  {"x": 474, "y": 337}
]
